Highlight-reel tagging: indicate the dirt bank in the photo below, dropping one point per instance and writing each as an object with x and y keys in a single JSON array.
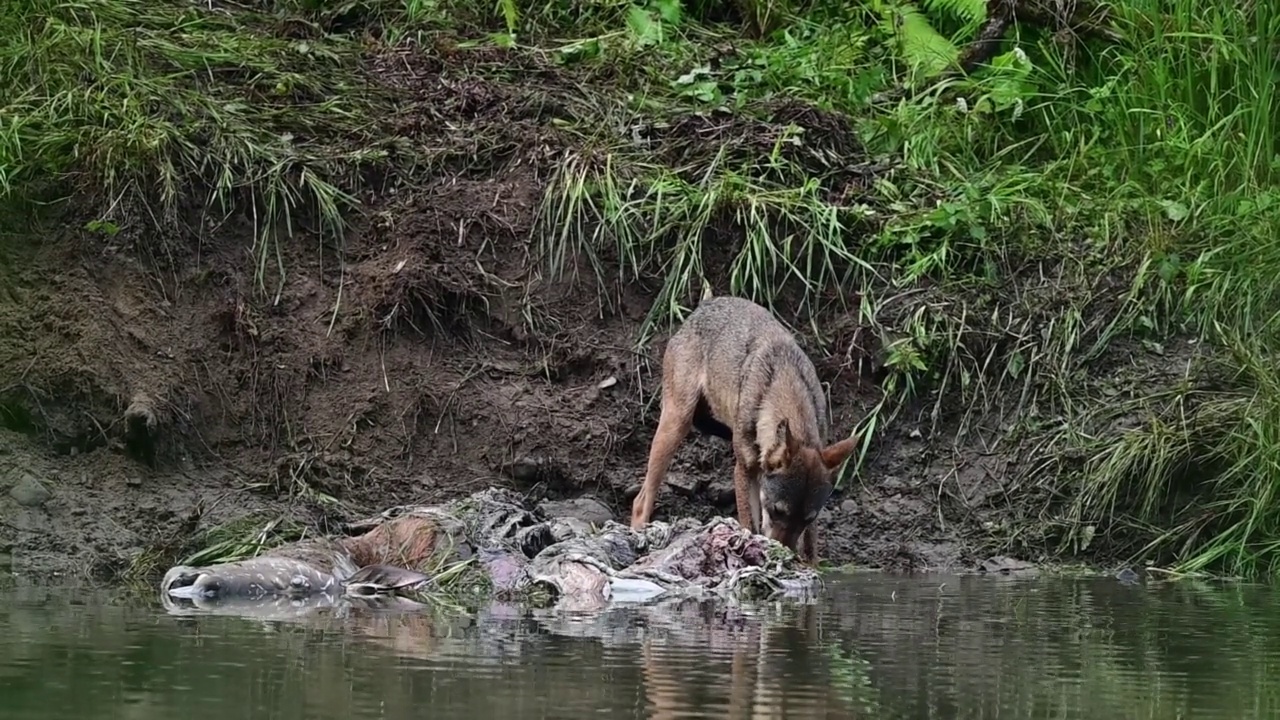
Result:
[
  {"x": 142, "y": 400},
  {"x": 441, "y": 371}
]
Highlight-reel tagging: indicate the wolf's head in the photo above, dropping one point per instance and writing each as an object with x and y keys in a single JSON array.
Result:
[{"x": 796, "y": 484}]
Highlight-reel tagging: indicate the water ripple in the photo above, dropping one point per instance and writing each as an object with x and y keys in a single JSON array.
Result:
[{"x": 873, "y": 646}]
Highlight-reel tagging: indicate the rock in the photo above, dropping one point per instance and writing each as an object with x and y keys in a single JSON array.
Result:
[
  {"x": 849, "y": 507},
  {"x": 1127, "y": 576},
  {"x": 29, "y": 492},
  {"x": 140, "y": 428},
  {"x": 525, "y": 470},
  {"x": 686, "y": 485},
  {"x": 535, "y": 469},
  {"x": 586, "y": 509}
]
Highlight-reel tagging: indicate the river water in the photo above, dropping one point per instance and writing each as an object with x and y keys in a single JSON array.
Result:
[{"x": 873, "y": 646}]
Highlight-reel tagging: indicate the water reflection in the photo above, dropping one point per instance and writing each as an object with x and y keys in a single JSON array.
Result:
[{"x": 870, "y": 646}]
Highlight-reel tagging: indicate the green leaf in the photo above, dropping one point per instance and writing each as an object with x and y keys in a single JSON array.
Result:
[
  {"x": 642, "y": 25},
  {"x": 924, "y": 49},
  {"x": 1174, "y": 210},
  {"x": 669, "y": 10},
  {"x": 971, "y": 11}
]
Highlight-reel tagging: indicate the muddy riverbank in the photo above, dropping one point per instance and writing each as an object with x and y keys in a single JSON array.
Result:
[
  {"x": 148, "y": 396},
  {"x": 139, "y": 407}
]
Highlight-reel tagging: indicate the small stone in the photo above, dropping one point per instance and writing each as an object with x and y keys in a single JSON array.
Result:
[
  {"x": 849, "y": 507},
  {"x": 586, "y": 509},
  {"x": 29, "y": 492},
  {"x": 686, "y": 485},
  {"x": 525, "y": 470},
  {"x": 1128, "y": 577}
]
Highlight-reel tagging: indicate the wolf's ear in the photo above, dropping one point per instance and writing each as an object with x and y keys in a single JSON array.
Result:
[
  {"x": 792, "y": 442},
  {"x": 786, "y": 446},
  {"x": 836, "y": 453}
]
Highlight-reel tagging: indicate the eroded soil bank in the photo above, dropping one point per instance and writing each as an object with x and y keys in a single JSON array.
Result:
[{"x": 142, "y": 401}]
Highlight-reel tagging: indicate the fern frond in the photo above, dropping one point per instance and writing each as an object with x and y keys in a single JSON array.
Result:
[
  {"x": 972, "y": 12},
  {"x": 924, "y": 49}
]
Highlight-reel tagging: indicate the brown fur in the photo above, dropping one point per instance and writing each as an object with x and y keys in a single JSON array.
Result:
[
  {"x": 735, "y": 372},
  {"x": 408, "y": 540}
]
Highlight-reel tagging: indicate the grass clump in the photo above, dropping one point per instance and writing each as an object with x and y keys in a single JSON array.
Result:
[
  {"x": 1181, "y": 124},
  {"x": 231, "y": 541},
  {"x": 160, "y": 108}
]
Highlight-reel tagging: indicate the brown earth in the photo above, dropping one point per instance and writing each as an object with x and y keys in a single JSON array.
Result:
[{"x": 141, "y": 401}]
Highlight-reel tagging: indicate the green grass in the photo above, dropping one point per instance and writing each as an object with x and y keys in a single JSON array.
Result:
[
  {"x": 227, "y": 542},
  {"x": 1020, "y": 245},
  {"x": 1181, "y": 126},
  {"x": 165, "y": 108}
]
